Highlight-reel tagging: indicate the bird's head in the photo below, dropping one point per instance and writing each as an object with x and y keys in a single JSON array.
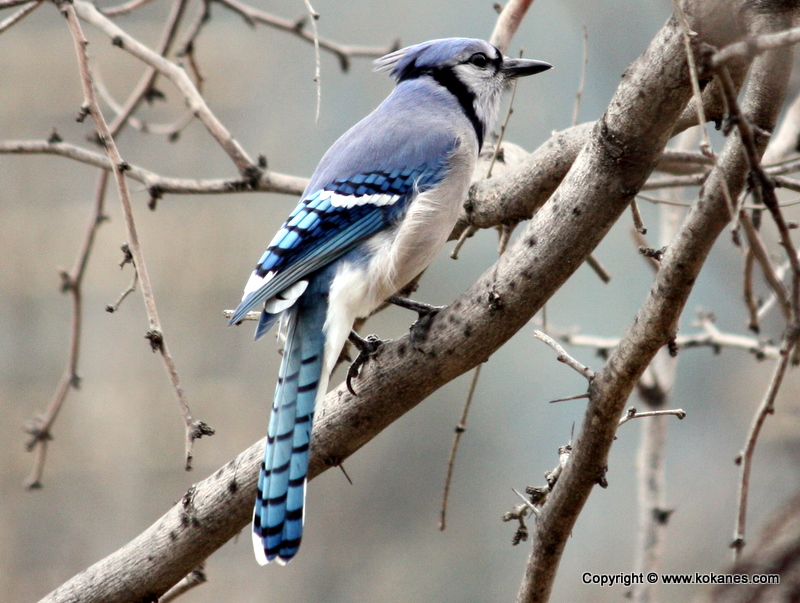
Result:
[{"x": 475, "y": 71}]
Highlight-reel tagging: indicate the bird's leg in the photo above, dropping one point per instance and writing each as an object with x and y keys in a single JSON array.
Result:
[
  {"x": 366, "y": 349},
  {"x": 420, "y": 308}
]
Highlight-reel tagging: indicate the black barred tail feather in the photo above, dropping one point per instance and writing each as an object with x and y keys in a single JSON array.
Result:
[{"x": 278, "y": 515}]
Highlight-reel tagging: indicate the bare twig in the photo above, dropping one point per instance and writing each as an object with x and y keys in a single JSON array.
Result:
[
  {"x": 194, "y": 429},
  {"x": 567, "y": 399},
  {"x": 253, "y": 315},
  {"x": 465, "y": 234},
  {"x": 111, "y": 308},
  {"x": 638, "y": 223},
  {"x": 688, "y": 35},
  {"x": 598, "y": 268},
  {"x": 675, "y": 181},
  {"x": 317, "y": 68},
  {"x": 642, "y": 243},
  {"x": 343, "y": 52},
  {"x": 267, "y": 182},
  {"x": 764, "y": 188},
  {"x": 710, "y": 337},
  {"x": 503, "y": 126},
  {"x": 247, "y": 168},
  {"x": 747, "y": 290}
]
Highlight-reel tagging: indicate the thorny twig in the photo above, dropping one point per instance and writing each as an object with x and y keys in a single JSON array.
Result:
[
  {"x": 537, "y": 496},
  {"x": 763, "y": 189}
]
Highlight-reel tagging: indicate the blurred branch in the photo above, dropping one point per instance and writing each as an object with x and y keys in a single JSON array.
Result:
[
  {"x": 582, "y": 81},
  {"x": 40, "y": 427},
  {"x": 461, "y": 427},
  {"x": 508, "y": 22},
  {"x": 761, "y": 255},
  {"x": 745, "y": 458},
  {"x": 195, "y": 578},
  {"x": 654, "y": 389},
  {"x": 11, "y": 3},
  {"x": 124, "y": 8},
  {"x": 754, "y": 46},
  {"x": 775, "y": 552},
  {"x": 20, "y": 15},
  {"x": 710, "y": 337}
]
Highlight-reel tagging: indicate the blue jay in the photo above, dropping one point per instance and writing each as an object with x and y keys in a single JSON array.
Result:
[{"x": 378, "y": 208}]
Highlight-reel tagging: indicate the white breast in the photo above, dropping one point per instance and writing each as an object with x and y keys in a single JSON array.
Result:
[{"x": 400, "y": 254}]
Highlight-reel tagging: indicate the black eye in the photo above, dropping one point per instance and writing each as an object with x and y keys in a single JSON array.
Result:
[{"x": 479, "y": 59}]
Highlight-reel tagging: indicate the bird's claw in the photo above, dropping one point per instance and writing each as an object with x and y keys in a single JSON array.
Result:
[{"x": 366, "y": 349}]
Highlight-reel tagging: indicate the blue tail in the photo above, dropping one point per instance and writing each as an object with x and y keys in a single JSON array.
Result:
[{"x": 278, "y": 516}]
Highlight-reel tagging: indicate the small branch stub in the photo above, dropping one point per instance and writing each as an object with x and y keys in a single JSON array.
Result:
[
  {"x": 632, "y": 413},
  {"x": 563, "y": 356}
]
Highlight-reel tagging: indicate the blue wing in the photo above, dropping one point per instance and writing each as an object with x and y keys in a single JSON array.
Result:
[
  {"x": 329, "y": 222},
  {"x": 363, "y": 184}
]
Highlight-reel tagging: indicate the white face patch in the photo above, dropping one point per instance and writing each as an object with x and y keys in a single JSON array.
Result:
[
  {"x": 487, "y": 88},
  {"x": 346, "y": 201}
]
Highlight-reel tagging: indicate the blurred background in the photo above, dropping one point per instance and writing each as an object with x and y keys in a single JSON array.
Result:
[{"x": 116, "y": 464}]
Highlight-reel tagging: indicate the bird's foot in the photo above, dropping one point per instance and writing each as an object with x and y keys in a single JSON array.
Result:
[{"x": 366, "y": 349}]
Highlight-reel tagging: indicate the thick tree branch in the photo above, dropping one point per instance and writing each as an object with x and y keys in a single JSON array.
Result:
[{"x": 656, "y": 321}]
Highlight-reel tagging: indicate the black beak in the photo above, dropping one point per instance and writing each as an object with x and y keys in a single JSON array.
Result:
[{"x": 512, "y": 68}]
